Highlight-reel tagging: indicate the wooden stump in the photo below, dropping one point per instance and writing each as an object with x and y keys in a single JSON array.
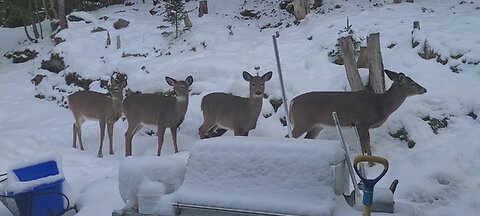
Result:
[
  {"x": 188, "y": 23},
  {"x": 362, "y": 61},
  {"x": 202, "y": 8},
  {"x": 300, "y": 8},
  {"x": 109, "y": 41},
  {"x": 118, "y": 42},
  {"x": 416, "y": 27},
  {"x": 376, "y": 76},
  {"x": 351, "y": 69}
]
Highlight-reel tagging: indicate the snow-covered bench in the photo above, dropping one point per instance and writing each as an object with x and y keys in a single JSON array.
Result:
[{"x": 267, "y": 176}]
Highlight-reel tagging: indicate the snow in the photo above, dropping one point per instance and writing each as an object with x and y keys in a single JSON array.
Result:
[
  {"x": 264, "y": 174},
  {"x": 439, "y": 176}
]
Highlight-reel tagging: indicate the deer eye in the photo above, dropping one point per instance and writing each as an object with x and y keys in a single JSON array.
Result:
[{"x": 253, "y": 84}]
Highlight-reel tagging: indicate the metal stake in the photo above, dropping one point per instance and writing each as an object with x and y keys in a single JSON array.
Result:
[{"x": 284, "y": 97}]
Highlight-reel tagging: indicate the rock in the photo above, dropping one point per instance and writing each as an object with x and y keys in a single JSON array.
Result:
[
  {"x": 22, "y": 56},
  {"x": 77, "y": 80},
  {"x": 121, "y": 23},
  {"x": 74, "y": 18},
  {"x": 58, "y": 40},
  {"x": 37, "y": 79},
  {"x": 283, "y": 4},
  {"x": 98, "y": 29},
  {"x": 249, "y": 13},
  {"x": 55, "y": 64}
]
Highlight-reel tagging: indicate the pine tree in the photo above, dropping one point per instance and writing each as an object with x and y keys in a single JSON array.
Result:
[{"x": 174, "y": 13}]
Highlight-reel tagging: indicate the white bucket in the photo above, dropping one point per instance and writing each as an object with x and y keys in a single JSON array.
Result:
[{"x": 149, "y": 193}]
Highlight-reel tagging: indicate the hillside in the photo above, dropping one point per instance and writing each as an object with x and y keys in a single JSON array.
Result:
[{"x": 438, "y": 176}]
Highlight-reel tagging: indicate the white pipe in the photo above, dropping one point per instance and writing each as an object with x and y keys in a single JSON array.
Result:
[
  {"x": 347, "y": 155},
  {"x": 284, "y": 97},
  {"x": 229, "y": 210}
]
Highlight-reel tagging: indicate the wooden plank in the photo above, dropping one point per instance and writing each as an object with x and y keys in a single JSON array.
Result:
[
  {"x": 376, "y": 77},
  {"x": 351, "y": 69}
]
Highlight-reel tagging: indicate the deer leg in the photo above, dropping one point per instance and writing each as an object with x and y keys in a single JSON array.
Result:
[
  {"x": 74, "y": 136},
  {"x": 160, "y": 133},
  {"x": 173, "y": 130},
  {"x": 102, "y": 136},
  {"x": 365, "y": 141},
  {"x": 132, "y": 129},
  {"x": 206, "y": 126},
  {"x": 313, "y": 132},
  {"x": 78, "y": 124},
  {"x": 298, "y": 130},
  {"x": 110, "y": 136}
]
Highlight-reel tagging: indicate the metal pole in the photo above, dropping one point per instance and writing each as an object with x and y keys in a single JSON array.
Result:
[
  {"x": 284, "y": 97},
  {"x": 349, "y": 162},
  {"x": 226, "y": 210},
  {"x": 359, "y": 144}
]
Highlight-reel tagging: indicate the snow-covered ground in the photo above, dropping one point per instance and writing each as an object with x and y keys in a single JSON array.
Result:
[{"x": 439, "y": 176}]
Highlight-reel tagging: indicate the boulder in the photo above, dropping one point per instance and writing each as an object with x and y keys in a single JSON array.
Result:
[
  {"x": 55, "y": 64},
  {"x": 121, "y": 23}
]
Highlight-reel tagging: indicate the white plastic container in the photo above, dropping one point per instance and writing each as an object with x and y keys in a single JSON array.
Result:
[{"x": 149, "y": 193}]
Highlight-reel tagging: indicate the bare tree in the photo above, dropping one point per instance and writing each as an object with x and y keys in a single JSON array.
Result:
[{"x": 61, "y": 14}]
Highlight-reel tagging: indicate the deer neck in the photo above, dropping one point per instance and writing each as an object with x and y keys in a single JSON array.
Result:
[
  {"x": 254, "y": 105},
  {"x": 181, "y": 104},
  {"x": 392, "y": 99},
  {"x": 117, "y": 103}
]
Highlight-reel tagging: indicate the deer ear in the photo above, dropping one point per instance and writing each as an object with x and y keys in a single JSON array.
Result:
[
  {"x": 391, "y": 75},
  {"x": 401, "y": 77},
  {"x": 189, "y": 80},
  {"x": 170, "y": 81},
  {"x": 247, "y": 76},
  {"x": 267, "y": 76}
]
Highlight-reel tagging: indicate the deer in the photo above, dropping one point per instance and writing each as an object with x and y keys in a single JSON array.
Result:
[
  {"x": 104, "y": 108},
  {"x": 227, "y": 111},
  {"x": 311, "y": 112},
  {"x": 157, "y": 110}
]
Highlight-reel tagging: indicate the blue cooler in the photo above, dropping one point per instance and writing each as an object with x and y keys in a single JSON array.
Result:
[{"x": 43, "y": 198}]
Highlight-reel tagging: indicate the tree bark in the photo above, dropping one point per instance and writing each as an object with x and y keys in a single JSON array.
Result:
[
  {"x": 38, "y": 20},
  {"x": 362, "y": 61},
  {"x": 61, "y": 14},
  {"x": 350, "y": 65},
  {"x": 300, "y": 8},
  {"x": 202, "y": 8},
  {"x": 376, "y": 77}
]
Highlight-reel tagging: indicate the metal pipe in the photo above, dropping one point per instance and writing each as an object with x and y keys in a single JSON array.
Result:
[
  {"x": 359, "y": 143},
  {"x": 228, "y": 210},
  {"x": 284, "y": 97},
  {"x": 347, "y": 155}
]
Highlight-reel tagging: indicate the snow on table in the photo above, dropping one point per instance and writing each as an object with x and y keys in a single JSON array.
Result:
[{"x": 279, "y": 175}]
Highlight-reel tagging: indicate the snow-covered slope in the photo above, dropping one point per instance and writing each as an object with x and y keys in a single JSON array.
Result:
[{"x": 439, "y": 176}]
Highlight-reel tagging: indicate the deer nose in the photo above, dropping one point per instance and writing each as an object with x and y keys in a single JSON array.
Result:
[
  {"x": 424, "y": 90},
  {"x": 258, "y": 92}
]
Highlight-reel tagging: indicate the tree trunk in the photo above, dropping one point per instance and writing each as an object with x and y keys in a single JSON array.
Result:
[
  {"x": 109, "y": 41},
  {"x": 45, "y": 8},
  {"x": 54, "y": 7},
  {"x": 25, "y": 27},
  {"x": 61, "y": 14},
  {"x": 349, "y": 63},
  {"x": 202, "y": 8},
  {"x": 38, "y": 20},
  {"x": 3, "y": 12},
  {"x": 362, "y": 61},
  {"x": 188, "y": 23},
  {"x": 300, "y": 8},
  {"x": 376, "y": 77}
]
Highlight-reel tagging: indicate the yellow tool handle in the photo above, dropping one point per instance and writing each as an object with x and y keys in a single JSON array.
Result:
[
  {"x": 366, "y": 210},
  {"x": 373, "y": 159}
]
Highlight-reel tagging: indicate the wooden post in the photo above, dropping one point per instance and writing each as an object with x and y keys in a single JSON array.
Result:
[
  {"x": 351, "y": 69},
  {"x": 300, "y": 9},
  {"x": 202, "y": 8},
  {"x": 188, "y": 23},
  {"x": 397, "y": 1},
  {"x": 109, "y": 41},
  {"x": 376, "y": 76},
  {"x": 362, "y": 61},
  {"x": 118, "y": 42}
]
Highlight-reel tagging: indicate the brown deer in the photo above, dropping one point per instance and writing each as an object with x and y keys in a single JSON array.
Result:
[
  {"x": 312, "y": 111},
  {"x": 158, "y": 110},
  {"x": 105, "y": 108},
  {"x": 233, "y": 112}
]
